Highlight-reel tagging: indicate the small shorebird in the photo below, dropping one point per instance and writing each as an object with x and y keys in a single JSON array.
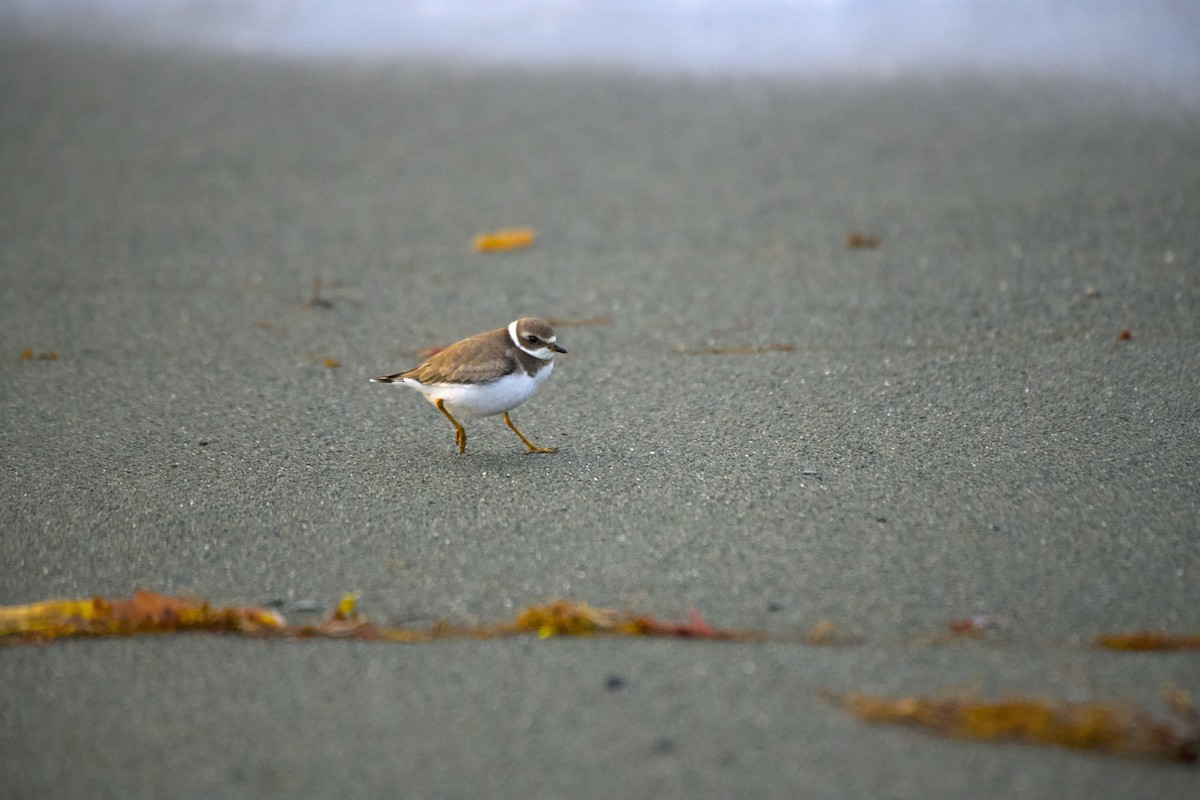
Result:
[{"x": 485, "y": 374}]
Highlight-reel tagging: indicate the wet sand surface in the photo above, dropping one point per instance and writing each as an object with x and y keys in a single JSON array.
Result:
[{"x": 754, "y": 420}]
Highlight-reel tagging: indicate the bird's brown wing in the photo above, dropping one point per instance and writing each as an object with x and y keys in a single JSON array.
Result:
[
  {"x": 483, "y": 371},
  {"x": 473, "y": 368}
]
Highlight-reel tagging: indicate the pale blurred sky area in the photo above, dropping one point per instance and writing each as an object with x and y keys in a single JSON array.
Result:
[{"x": 1151, "y": 44}]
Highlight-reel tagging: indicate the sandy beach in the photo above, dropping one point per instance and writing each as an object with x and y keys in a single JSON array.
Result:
[{"x": 754, "y": 421}]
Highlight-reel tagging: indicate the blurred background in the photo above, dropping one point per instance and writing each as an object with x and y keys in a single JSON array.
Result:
[{"x": 1150, "y": 44}]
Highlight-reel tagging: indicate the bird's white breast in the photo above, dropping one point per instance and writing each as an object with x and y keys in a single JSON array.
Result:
[{"x": 484, "y": 399}]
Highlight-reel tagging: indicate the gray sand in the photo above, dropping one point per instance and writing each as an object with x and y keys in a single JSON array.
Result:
[{"x": 957, "y": 430}]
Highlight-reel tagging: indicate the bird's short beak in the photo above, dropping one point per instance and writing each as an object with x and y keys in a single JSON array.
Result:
[{"x": 556, "y": 348}]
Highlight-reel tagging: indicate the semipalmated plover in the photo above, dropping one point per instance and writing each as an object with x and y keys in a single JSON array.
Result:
[{"x": 485, "y": 374}]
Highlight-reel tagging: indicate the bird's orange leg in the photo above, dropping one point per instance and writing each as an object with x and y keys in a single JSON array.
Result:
[
  {"x": 460, "y": 433},
  {"x": 533, "y": 448}
]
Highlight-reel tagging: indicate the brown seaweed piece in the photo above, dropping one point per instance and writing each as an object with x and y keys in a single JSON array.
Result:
[
  {"x": 1112, "y": 728},
  {"x": 1148, "y": 641},
  {"x": 145, "y": 612},
  {"x": 861, "y": 241}
]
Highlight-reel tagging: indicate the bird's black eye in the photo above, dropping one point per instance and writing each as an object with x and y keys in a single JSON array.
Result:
[{"x": 531, "y": 339}]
